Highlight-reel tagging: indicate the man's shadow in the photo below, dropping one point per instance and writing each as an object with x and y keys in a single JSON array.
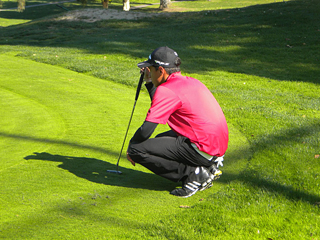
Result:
[{"x": 95, "y": 170}]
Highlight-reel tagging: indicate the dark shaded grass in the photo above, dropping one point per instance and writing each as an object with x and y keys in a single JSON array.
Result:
[
  {"x": 94, "y": 170},
  {"x": 263, "y": 40},
  {"x": 37, "y": 9}
]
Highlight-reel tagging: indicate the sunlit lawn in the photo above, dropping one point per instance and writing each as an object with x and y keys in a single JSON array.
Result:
[{"x": 67, "y": 91}]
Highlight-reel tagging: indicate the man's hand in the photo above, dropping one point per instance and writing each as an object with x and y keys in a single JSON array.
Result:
[
  {"x": 147, "y": 74},
  {"x": 130, "y": 160}
]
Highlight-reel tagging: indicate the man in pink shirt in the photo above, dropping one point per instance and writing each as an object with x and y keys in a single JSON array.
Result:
[{"x": 193, "y": 149}]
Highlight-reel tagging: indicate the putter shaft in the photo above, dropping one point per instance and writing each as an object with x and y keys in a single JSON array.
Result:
[{"x": 125, "y": 137}]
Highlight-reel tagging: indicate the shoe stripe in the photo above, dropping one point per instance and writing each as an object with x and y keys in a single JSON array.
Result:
[
  {"x": 196, "y": 183},
  {"x": 191, "y": 185},
  {"x": 191, "y": 188}
]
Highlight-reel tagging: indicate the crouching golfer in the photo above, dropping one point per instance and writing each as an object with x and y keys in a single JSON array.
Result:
[{"x": 193, "y": 149}]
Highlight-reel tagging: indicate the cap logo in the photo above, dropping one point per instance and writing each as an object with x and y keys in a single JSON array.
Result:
[
  {"x": 165, "y": 55},
  {"x": 161, "y": 63}
]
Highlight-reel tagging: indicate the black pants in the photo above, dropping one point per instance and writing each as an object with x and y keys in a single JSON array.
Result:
[{"x": 168, "y": 155}]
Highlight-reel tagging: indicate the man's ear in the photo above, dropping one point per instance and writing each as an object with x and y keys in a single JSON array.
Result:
[
  {"x": 164, "y": 73},
  {"x": 163, "y": 70}
]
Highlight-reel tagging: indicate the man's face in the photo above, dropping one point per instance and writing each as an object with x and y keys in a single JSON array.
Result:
[{"x": 157, "y": 76}]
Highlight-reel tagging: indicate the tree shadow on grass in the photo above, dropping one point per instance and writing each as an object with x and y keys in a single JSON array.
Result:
[
  {"x": 277, "y": 40},
  {"x": 35, "y": 10},
  {"x": 95, "y": 170},
  {"x": 252, "y": 178}
]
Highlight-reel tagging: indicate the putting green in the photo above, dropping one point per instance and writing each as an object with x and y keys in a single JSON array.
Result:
[
  {"x": 76, "y": 123},
  {"x": 44, "y": 105},
  {"x": 22, "y": 122}
]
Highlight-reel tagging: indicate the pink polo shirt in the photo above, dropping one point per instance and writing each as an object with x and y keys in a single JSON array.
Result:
[{"x": 190, "y": 110}]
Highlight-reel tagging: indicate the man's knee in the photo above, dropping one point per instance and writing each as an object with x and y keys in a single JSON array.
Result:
[
  {"x": 134, "y": 153},
  {"x": 130, "y": 149},
  {"x": 133, "y": 150}
]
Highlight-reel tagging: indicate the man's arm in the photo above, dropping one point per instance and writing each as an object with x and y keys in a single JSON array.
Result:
[
  {"x": 149, "y": 85},
  {"x": 151, "y": 89},
  {"x": 144, "y": 132}
]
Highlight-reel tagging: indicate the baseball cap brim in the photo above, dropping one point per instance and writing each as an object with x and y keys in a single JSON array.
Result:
[{"x": 144, "y": 64}]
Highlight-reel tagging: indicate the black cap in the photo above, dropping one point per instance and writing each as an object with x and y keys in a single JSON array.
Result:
[{"x": 162, "y": 56}]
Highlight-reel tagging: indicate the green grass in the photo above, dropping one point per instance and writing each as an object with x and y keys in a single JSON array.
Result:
[{"x": 67, "y": 91}]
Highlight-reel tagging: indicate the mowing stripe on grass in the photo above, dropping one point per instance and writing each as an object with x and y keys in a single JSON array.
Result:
[
  {"x": 76, "y": 124},
  {"x": 42, "y": 103},
  {"x": 92, "y": 113},
  {"x": 22, "y": 116}
]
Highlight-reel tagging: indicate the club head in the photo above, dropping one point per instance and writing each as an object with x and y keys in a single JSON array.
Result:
[{"x": 114, "y": 171}]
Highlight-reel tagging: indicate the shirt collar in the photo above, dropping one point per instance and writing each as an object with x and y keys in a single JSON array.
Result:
[{"x": 173, "y": 75}]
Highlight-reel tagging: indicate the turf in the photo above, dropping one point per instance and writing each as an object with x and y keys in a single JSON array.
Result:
[
  {"x": 61, "y": 153},
  {"x": 67, "y": 101}
]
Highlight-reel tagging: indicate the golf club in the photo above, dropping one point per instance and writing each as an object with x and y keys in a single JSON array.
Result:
[{"x": 134, "y": 105}]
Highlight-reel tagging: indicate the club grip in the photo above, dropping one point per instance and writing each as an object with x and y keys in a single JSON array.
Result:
[{"x": 139, "y": 86}]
